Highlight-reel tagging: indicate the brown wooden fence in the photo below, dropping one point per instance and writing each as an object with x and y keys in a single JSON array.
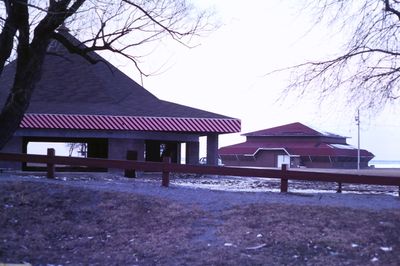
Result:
[{"x": 166, "y": 167}]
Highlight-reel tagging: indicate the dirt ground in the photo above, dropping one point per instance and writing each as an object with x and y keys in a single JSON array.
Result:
[{"x": 54, "y": 224}]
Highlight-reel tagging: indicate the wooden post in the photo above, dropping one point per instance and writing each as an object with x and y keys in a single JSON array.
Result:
[
  {"x": 50, "y": 166},
  {"x": 165, "y": 173},
  {"x": 131, "y": 155},
  {"x": 284, "y": 180},
  {"x": 339, "y": 188}
]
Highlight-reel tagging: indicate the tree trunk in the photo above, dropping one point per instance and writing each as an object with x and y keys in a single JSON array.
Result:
[
  {"x": 28, "y": 72},
  {"x": 30, "y": 57},
  {"x": 10, "y": 118}
]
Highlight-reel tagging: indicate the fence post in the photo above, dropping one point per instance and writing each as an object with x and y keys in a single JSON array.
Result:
[
  {"x": 50, "y": 166},
  {"x": 284, "y": 180},
  {"x": 339, "y": 188},
  {"x": 131, "y": 155},
  {"x": 165, "y": 172}
]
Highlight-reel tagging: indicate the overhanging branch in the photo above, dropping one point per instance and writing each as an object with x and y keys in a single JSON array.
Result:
[
  {"x": 389, "y": 8},
  {"x": 73, "y": 48},
  {"x": 172, "y": 32},
  {"x": 8, "y": 33}
]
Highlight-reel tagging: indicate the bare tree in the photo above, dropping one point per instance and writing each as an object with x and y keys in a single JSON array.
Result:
[
  {"x": 367, "y": 69},
  {"x": 27, "y": 28},
  {"x": 80, "y": 147}
]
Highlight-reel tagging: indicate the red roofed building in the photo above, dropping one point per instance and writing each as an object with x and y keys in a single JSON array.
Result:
[
  {"x": 296, "y": 145},
  {"x": 76, "y": 101}
]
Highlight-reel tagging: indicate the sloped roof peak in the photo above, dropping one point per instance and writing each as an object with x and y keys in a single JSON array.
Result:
[
  {"x": 296, "y": 129},
  {"x": 72, "y": 85}
]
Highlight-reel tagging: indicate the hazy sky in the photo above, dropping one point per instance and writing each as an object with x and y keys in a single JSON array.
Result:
[{"x": 226, "y": 74}]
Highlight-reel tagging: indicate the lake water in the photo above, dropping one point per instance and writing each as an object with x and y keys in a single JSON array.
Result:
[{"x": 385, "y": 163}]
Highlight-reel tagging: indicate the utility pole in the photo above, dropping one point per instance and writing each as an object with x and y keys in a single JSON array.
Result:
[{"x": 358, "y": 138}]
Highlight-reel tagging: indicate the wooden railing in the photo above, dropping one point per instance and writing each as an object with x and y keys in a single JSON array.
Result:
[{"x": 166, "y": 167}]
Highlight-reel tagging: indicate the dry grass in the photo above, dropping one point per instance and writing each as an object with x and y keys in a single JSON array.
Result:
[
  {"x": 55, "y": 224},
  {"x": 314, "y": 235}
]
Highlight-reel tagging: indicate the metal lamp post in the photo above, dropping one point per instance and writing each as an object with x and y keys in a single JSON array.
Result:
[{"x": 358, "y": 138}]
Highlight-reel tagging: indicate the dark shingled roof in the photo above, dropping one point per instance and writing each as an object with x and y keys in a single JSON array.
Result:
[
  {"x": 291, "y": 130},
  {"x": 72, "y": 85}
]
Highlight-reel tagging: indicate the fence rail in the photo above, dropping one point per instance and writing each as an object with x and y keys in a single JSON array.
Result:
[{"x": 166, "y": 167}]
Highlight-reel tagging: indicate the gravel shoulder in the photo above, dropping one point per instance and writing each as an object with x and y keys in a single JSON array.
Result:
[
  {"x": 210, "y": 199},
  {"x": 81, "y": 220}
]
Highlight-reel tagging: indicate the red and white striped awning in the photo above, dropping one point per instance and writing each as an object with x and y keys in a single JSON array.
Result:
[{"x": 131, "y": 123}]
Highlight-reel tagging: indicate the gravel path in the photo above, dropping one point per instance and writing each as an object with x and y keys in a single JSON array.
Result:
[{"x": 212, "y": 199}]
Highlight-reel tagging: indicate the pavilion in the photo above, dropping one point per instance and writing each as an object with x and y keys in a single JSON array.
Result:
[{"x": 97, "y": 104}]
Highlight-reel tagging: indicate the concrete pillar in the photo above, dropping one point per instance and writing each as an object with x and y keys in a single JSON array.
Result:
[
  {"x": 117, "y": 149},
  {"x": 13, "y": 146},
  {"x": 212, "y": 149},
  {"x": 172, "y": 150},
  {"x": 192, "y": 152}
]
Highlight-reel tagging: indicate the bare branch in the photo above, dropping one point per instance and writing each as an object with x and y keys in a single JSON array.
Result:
[
  {"x": 367, "y": 69},
  {"x": 388, "y": 8},
  {"x": 72, "y": 48},
  {"x": 115, "y": 26},
  {"x": 147, "y": 14},
  {"x": 8, "y": 33},
  {"x": 167, "y": 24}
]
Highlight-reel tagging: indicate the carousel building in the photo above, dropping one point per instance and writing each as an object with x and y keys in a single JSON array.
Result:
[{"x": 296, "y": 145}]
